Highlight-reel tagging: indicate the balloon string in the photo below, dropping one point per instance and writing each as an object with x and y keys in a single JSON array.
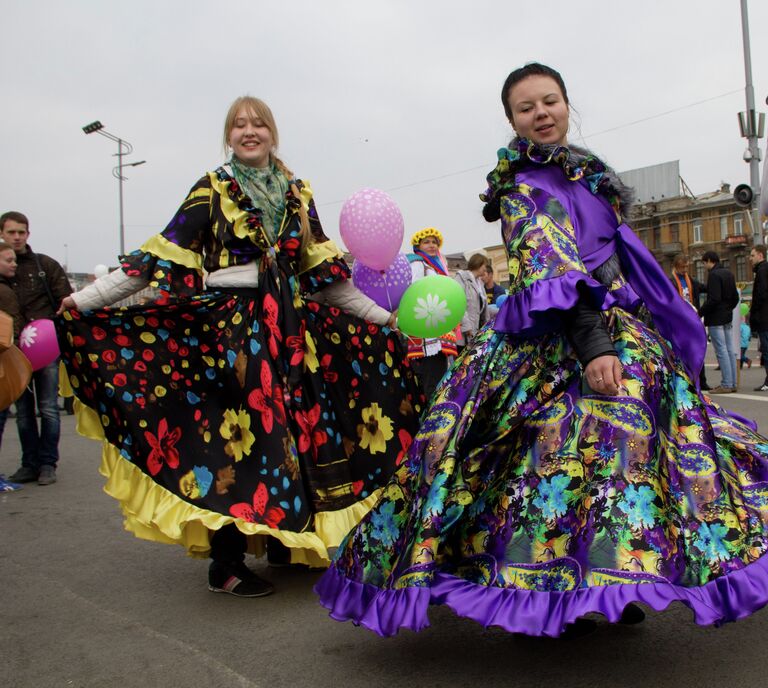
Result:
[{"x": 386, "y": 291}]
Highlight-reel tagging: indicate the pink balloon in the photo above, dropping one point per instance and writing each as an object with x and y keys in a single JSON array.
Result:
[
  {"x": 385, "y": 287},
  {"x": 39, "y": 344},
  {"x": 371, "y": 226}
]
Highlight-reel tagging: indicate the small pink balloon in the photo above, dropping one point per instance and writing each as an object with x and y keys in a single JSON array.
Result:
[
  {"x": 371, "y": 227},
  {"x": 39, "y": 344},
  {"x": 385, "y": 287}
]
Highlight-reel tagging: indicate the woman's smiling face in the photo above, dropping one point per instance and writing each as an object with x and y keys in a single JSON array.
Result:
[{"x": 539, "y": 110}]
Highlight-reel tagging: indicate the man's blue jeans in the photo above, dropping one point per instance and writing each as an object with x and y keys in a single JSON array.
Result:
[
  {"x": 763, "y": 336},
  {"x": 722, "y": 341},
  {"x": 40, "y": 446}
]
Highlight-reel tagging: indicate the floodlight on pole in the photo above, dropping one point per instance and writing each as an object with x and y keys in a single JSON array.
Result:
[{"x": 123, "y": 148}]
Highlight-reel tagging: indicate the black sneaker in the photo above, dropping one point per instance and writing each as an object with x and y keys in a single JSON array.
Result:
[
  {"x": 47, "y": 475},
  {"x": 238, "y": 580},
  {"x": 761, "y": 388},
  {"x": 25, "y": 474}
]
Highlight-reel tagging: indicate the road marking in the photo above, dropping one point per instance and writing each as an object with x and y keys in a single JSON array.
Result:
[{"x": 748, "y": 397}]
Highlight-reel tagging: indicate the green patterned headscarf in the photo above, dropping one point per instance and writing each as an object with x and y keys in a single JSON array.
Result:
[{"x": 266, "y": 187}]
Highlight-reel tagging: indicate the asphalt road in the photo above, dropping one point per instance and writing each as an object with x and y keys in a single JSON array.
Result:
[{"x": 83, "y": 603}]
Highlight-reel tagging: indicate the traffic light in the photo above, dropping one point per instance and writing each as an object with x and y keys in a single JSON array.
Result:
[{"x": 743, "y": 195}]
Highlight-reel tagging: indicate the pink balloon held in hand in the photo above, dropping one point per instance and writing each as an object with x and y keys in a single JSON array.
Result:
[
  {"x": 39, "y": 344},
  {"x": 371, "y": 227}
]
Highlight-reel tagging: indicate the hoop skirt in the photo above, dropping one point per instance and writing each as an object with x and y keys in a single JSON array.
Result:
[{"x": 527, "y": 501}]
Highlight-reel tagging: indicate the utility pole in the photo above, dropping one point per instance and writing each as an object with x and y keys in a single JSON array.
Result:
[{"x": 752, "y": 127}]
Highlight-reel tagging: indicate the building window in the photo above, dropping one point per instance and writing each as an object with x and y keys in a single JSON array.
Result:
[
  {"x": 741, "y": 269},
  {"x": 674, "y": 233},
  {"x": 701, "y": 271},
  {"x": 723, "y": 226},
  {"x": 697, "y": 239},
  {"x": 738, "y": 226},
  {"x": 656, "y": 237}
]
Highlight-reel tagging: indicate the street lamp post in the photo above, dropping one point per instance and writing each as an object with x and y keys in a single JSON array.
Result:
[{"x": 123, "y": 148}]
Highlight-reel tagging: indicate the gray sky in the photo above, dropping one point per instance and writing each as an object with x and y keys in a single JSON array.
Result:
[{"x": 384, "y": 94}]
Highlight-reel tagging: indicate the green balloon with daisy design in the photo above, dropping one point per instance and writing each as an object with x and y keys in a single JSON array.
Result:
[{"x": 431, "y": 307}]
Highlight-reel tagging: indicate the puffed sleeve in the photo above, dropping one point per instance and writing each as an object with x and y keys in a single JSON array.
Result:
[
  {"x": 322, "y": 263},
  {"x": 173, "y": 259},
  {"x": 546, "y": 274}
]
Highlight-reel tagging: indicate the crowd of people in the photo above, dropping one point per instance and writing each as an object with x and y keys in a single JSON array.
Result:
[{"x": 555, "y": 455}]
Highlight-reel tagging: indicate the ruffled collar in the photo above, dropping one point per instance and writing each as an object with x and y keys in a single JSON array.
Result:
[
  {"x": 255, "y": 209},
  {"x": 577, "y": 164}
]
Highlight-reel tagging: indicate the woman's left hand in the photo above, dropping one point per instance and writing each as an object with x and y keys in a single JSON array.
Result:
[
  {"x": 604, "y": 374},
  {"x": 392, "y": 322}
]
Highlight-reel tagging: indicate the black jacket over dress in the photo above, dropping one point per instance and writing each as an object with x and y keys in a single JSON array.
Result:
[
  {"x": 758, "y": 313},
  {"x": 722, "y": 297}
]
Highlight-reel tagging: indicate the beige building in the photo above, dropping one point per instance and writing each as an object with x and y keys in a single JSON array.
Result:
[
  {"x": 695, "y": 224},
  {"x": 679, "y": 224}
]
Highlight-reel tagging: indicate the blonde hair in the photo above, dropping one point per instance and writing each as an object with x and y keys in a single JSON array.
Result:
[{"x": 258, "y": 110}]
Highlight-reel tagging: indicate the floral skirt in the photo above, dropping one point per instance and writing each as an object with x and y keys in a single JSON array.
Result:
[
  {"x": 211, "y": 413},
  {"x": 527, "y": 501}
]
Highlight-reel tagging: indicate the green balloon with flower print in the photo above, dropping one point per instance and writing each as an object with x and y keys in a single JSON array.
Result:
[{"x": 431, "y": 307}]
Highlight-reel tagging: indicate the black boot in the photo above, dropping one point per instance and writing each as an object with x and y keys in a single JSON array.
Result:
[
  {"x": 578, "y": 629},
  {"x": 631, "y": 615}
]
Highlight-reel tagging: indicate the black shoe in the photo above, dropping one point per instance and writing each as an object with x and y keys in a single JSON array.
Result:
[
  {"x": 238, "y": 580},
  {"x": 631, "y": 615},
  {"x": 279, "y": 556},
  {"x": 705, "y": 388},
  {"x": 47, "y": 475},
  {"x": 578, "y": 629},
  {"x": 25, "y": 474},
  {"x": 761, "y": 388}
]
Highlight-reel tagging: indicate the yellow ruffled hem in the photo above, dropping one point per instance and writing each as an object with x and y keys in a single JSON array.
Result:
[{"x": 153, "y": 513}]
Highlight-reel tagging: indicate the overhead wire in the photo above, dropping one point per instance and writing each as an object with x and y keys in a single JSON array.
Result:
[{"x": 584, "y": 137}]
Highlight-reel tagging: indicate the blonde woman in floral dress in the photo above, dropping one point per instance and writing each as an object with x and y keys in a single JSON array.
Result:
[{"x": 226, "y": 424}]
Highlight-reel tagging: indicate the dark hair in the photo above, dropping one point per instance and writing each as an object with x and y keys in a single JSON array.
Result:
[
  {"x": 492, "y": 209},
  {"x": 531, "y": 69},
  {"x": 710, "y": 257},
  {"x": 476, "y": 261},
  {"x": 14, "y": 216},
  {"x": 760, "y": 248}
]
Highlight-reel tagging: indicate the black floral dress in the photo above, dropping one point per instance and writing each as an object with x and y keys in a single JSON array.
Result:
[{"x": 254, "y": 406}]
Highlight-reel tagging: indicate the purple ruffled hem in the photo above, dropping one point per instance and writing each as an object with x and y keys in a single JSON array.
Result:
[
  {"x": 532, "y": 311},
  {"x": 728, "y": 598}
]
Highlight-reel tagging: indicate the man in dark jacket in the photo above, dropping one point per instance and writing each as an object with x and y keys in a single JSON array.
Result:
[
  {"x": 758, "y": 313},
  {"x": 40, "y": 285},
  {"x": 717, "y": 311}
]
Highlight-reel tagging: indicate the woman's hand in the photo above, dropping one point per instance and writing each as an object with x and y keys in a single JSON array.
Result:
[
  {"x": 66, "y": 303},
  {"x": 603, "y": 375},
  {"x": 392, "y": 322}
]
